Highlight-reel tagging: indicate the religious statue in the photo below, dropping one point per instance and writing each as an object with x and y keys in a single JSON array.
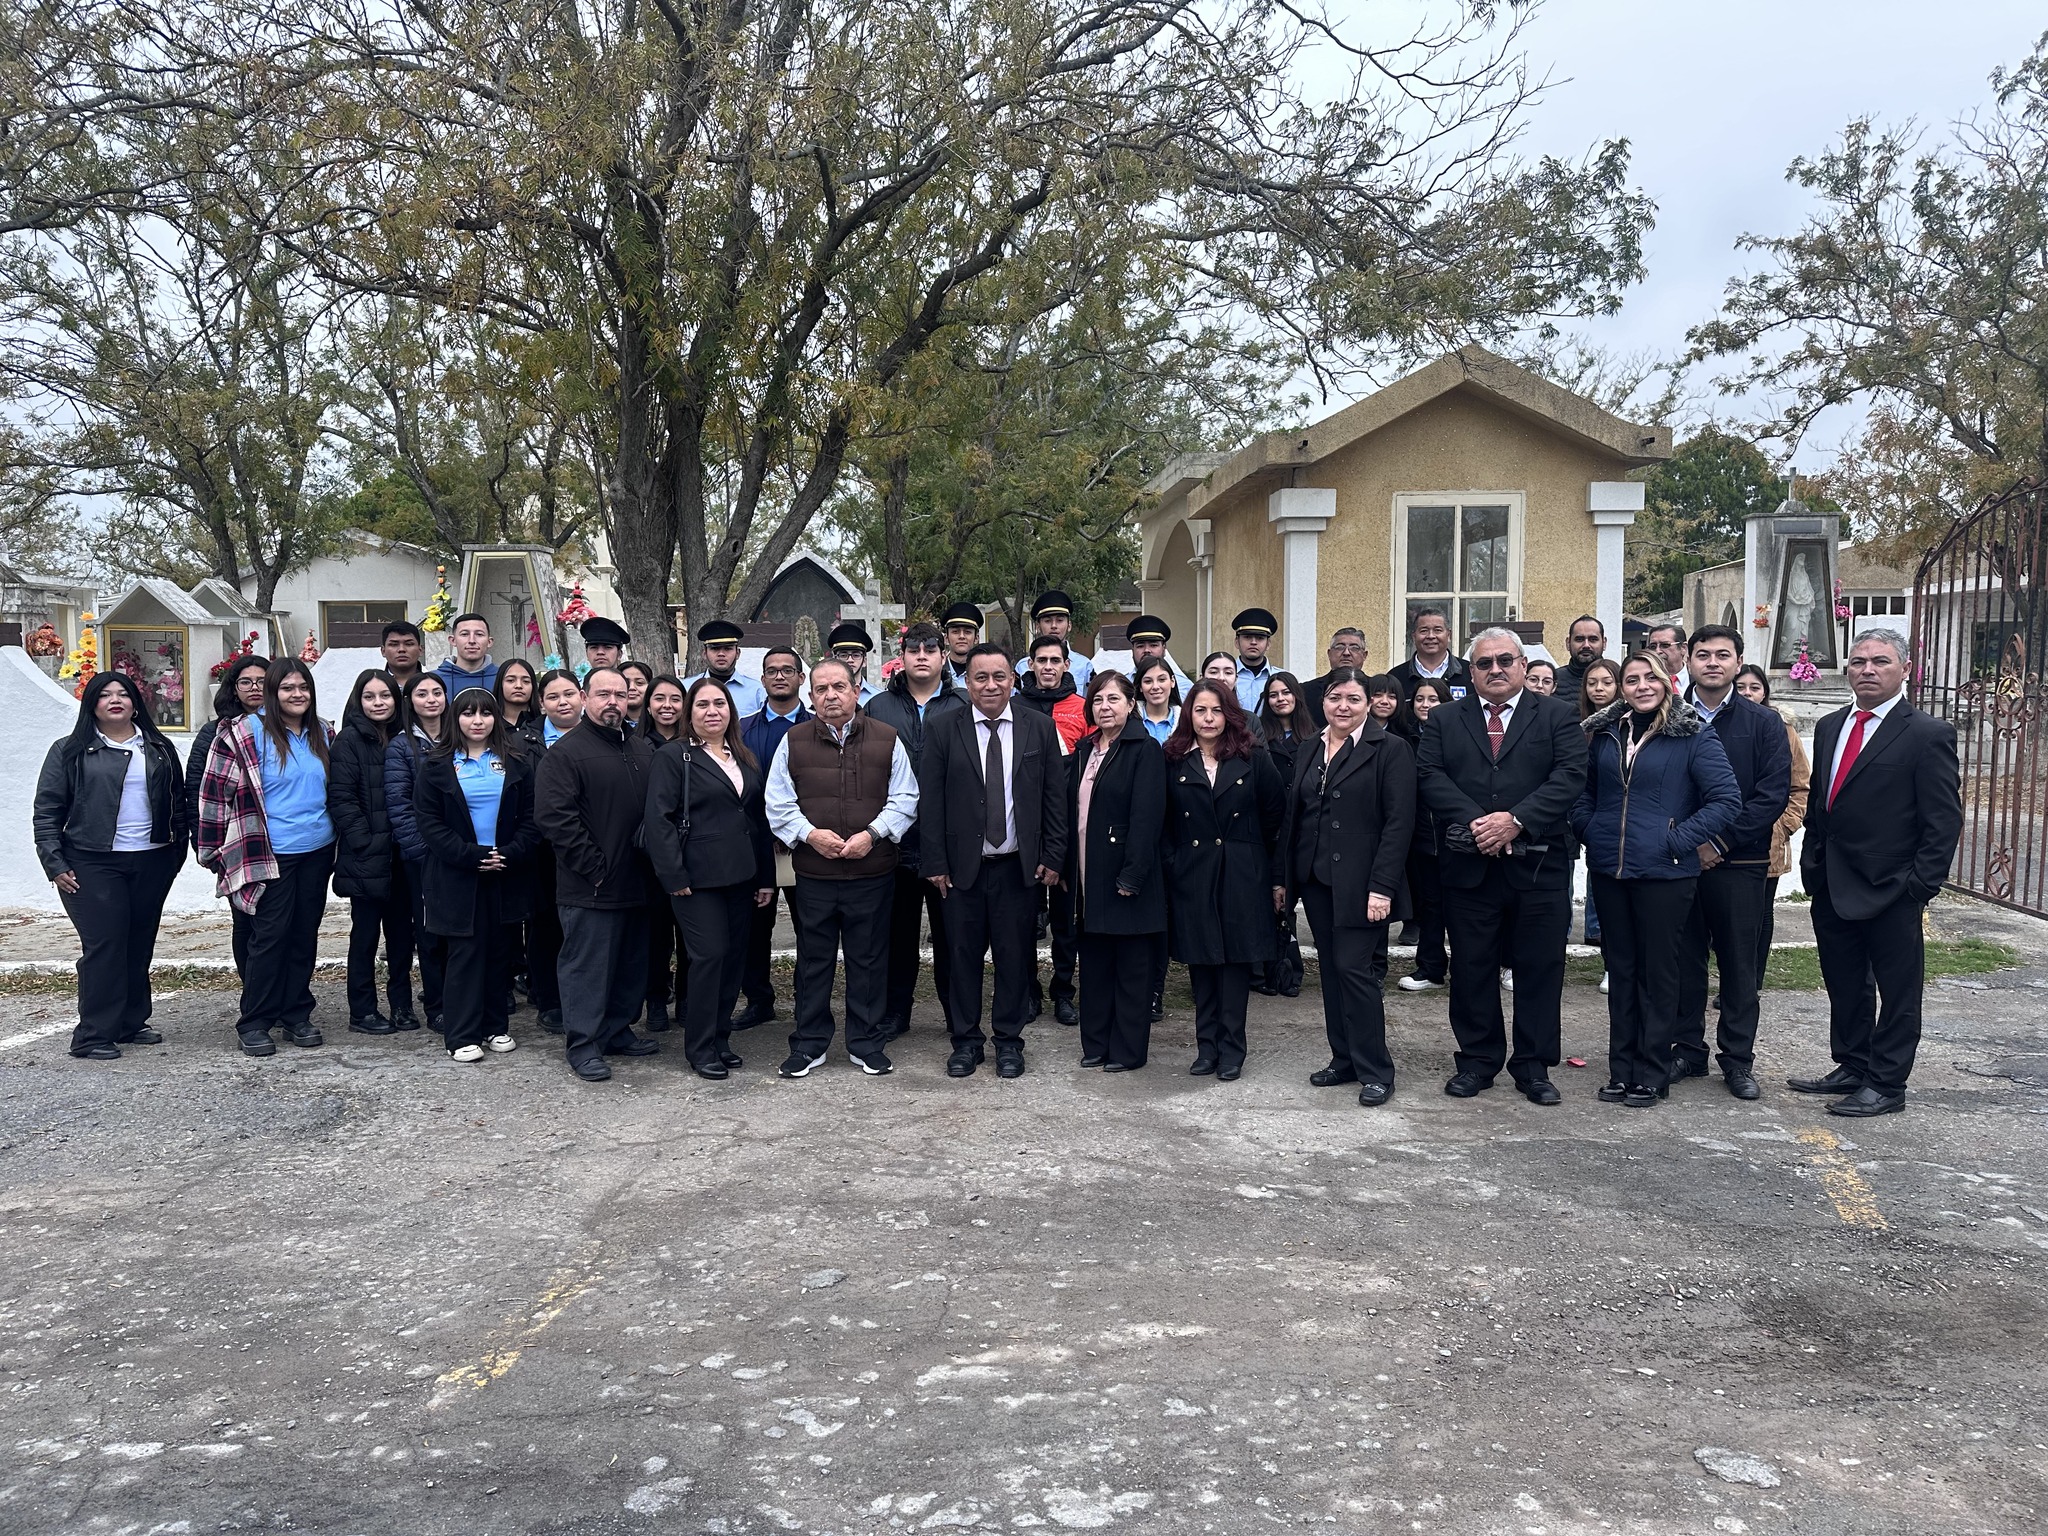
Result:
[{"x": 1796, "y": 615}]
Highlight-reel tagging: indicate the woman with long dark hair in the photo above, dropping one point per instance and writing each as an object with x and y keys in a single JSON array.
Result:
[
  {"x": 707, "y": 834},
  {"x": 1425, "y": 875},
  {"x": 1283, "y": 723},
  {"x": 665, "y": 707},
  {"x": 639, "y": 678},
  {"x": 1116, "y": 805},
  {"x": 1158, "y": 710},
  {"x": 519, "y": 701},
  {"x": 240, "y": 693},
  {"x": 110, "y": 832},
  {"x": 1225, "y": 804},
  {"x": 265, "y": 832},
  {"x": 426, "y": 726},
  {"x": 1350, "y": 821},
  {"x": 474, "y": 810},
  {"x": 367, "y": 868},
  {"x": 1599, "y": 686},
  {"x": 661, "y": 721},
  {"x": 1658, "y": 785}
]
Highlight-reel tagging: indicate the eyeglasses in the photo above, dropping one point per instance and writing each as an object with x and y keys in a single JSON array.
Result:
[
  {"x": 1494, "y": 663},
  {"x": 779, "y": 671},
  {"x": 849, "y": 653}
]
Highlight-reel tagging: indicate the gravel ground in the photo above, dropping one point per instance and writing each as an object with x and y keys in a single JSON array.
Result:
[{"x": 361, "y": 1289}]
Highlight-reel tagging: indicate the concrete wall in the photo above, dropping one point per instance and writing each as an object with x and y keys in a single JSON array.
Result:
[
  {"x": 360, "y": 575},
  {"x": 1459, "y": 442}
]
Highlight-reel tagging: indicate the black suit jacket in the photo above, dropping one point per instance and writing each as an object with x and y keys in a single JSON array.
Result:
[
  {"x": 952, "y": 804},
  {"x": 1456, "y": 675},
  {"x": 1372, "y": 802},
  {"x": 1893, "y": 829},
  {"x": 1537, "y": 777},
  {"x": 727, "y": 842}
]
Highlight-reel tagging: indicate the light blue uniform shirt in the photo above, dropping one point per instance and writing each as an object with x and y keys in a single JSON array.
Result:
[
  {"x": 1159, "y": 730},
  {"x": 550, "y": 733},
  {"x": 294, "y": 795},
  {"x": 748, "y": 695},
  {"x": 482, "y": 781},
  {"x": 1251, "y": 688}
]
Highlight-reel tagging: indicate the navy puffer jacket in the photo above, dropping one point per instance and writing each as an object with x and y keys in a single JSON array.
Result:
[{"x": 1646, "y": 820}]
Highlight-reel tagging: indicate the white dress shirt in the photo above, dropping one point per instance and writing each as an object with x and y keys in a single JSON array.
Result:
[
  {"x": 791, "y": 826},
  {"x": 134, "y": 826},
  {"x": 1878, "y": 712},
  {"x": 1006, "y": 730}
]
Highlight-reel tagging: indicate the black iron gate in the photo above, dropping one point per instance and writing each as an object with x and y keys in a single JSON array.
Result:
[{"x": 1980, "y": 605}]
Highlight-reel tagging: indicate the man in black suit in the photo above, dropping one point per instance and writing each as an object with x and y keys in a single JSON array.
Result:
[
  {"x": 1347, "y": 649},
  {"x": 1882, "y": 826},
  {"x": 1429, "y": 638},
  {"x": 993, "y": 808},
  {"x": 1500, "y": 769},
  {"x": 1733, "y": 898}
]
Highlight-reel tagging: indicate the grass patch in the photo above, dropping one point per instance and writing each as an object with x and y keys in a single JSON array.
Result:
[{"x": 1798, "y": 970}]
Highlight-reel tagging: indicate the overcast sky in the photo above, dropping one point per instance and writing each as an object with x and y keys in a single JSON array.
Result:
[{"x": 1717, "y": 99}]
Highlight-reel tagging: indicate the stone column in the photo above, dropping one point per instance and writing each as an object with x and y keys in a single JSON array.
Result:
[
  {"x": 1204, "y": 564},
  {"x": 1300, "y": 513},
  {"x": 1614, "y": 505}
]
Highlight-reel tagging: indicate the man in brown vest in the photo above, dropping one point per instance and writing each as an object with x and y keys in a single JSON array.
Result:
[{"x": 841, "y": 794}]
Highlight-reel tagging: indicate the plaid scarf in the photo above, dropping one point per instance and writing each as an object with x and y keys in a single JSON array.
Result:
[{"x": 234, "y": 835}]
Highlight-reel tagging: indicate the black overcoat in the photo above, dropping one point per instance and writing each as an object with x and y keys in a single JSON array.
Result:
[
  {"x": 1126, "y": 815},
  {"x": 1223, "y": 850}
]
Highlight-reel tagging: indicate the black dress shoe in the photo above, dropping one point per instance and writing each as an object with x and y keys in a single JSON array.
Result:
[
  {"x": 404, "y": 1020},
  {"x": 1682, "y": 1067},
  {"x": 1613, "y": 1093},
  {"x": 1841, "y": 1080},
  {"x": 1205, "y": 1066},
  {"x": 1867, "y": 1101},
  {"x": 1091, "y": 1061},
  {"x": 1121, "y": 1066},
  {"x": 144, "y": 1036},
  {"x": 1291, "y": 989},
  {"x": 551, "y": 1021},
  {"x": 104, "y": 1050},
  {"x": 963, "y": 1061},
  {"x": 307, "y": 1035},
  {"x": 1158, "y": 1006},
  {"x": 1541, "y": 1090},
  {"x": 1641, "y": 1097},
  {"x": 1373, "y": 1095},
  {"x": 752, "y": 1014},
  {"x": 894, "y": 1025},
  {"x": 434, "y": 1022},
  {"x": 1011, "y": 1064},
  {"x": 1229, "y": 1074},
  {"x": 1064, "y": 1012},
  {"x": 657, "y": 1018},
  {"x": 1331, "y": 1076},
  {"x": 1467, "y": 1085},
  {"x": 630, "y": 1044},
  {"x": 1265, "y": 989},
  {"x": 732, "y": 1058},
  {"x": 373, "y": 1024},
  {"x": 592, "y": 1071},
  {"x": 1742, "y": 1084},
  {"x": 255, "y": 1044},
  {"x": 715, "y": 1070}
]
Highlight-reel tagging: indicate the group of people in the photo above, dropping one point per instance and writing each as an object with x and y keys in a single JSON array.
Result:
[{"x": 615, "y": 842}]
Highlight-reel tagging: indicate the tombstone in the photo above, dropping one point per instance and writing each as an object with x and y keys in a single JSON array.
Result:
[{"x": 1789, "y": 561}]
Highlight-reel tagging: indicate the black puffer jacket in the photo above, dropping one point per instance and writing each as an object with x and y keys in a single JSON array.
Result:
[{"x": 356, "y": 804}]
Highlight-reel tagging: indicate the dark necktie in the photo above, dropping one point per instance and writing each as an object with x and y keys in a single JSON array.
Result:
[
  {"x": 1496, "y": 732},
  {"x": 995, "y": 828}
]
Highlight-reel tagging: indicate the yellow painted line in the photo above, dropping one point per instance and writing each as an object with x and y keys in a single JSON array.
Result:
[
  {"x": 1855, "y": 1201},
  {"x": 512, "y": 1339}
]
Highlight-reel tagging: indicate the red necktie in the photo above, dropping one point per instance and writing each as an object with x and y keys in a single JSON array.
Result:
[
  {"x": 1496, "y": 732},
  {"x": 1863, "y": 719}
]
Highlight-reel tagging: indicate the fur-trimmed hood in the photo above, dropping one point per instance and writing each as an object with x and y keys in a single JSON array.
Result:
[{"x": 1684, "y": 720}]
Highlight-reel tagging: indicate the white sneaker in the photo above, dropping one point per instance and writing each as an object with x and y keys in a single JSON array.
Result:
[
  {"x": 1507, "y": 978},
  {"x": 467, "y": 1053},
  {"x": 1419, "y": 984},
  {"x": 1603, "y": 983},
  {"x": 502, "y": 1043}
]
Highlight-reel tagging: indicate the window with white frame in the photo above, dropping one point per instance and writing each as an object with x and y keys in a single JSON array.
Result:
[{"x": 1459, "y": 552}]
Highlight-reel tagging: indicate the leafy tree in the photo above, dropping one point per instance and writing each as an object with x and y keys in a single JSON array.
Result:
[
  {"x": 1694, "y": 505},
  {"x": 1920, "y": 288}
]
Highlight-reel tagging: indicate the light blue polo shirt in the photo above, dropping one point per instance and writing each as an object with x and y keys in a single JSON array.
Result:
[
  {"x": 482, "y": 781},
  {"x": 749, "y": 696},
  {"x": 294, "y": 795}
]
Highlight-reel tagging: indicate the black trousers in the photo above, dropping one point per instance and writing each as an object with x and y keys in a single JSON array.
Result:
[
  {"x": 1426, "y": 892},
  {"x": 479, "y": 975},
  {"x": 603, "y": 970},
  {"x": 1638, "y": 922},
  {"x": 1877, "y": 1044},
  {"x": 544, "y": 937},
  {"x": 1000, "y": 916},
  {"x": 238, "y": 938},
  {"x": 284, "y": 942},
  {"x": 1353, "y": 964},
  {"x": 1065, "y": 944},
  {"x": 715, "y": 925},
  {"x": 914, "y": 897},
  {"x": 1728, "y": 915},
  {"x": 433, "y": 949},
  {"x": 834, "y": 916},
  {"x": 116, "y": 909},
  {"x": 758, "y": 980},
  {"x": 1491, "y": 925},
  {"x": 1115, "y": 1001},
  {"x": 1222, "y": 994},
  {"x": 668, "y": 960},
  {"x": 387, "y": 917}
]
